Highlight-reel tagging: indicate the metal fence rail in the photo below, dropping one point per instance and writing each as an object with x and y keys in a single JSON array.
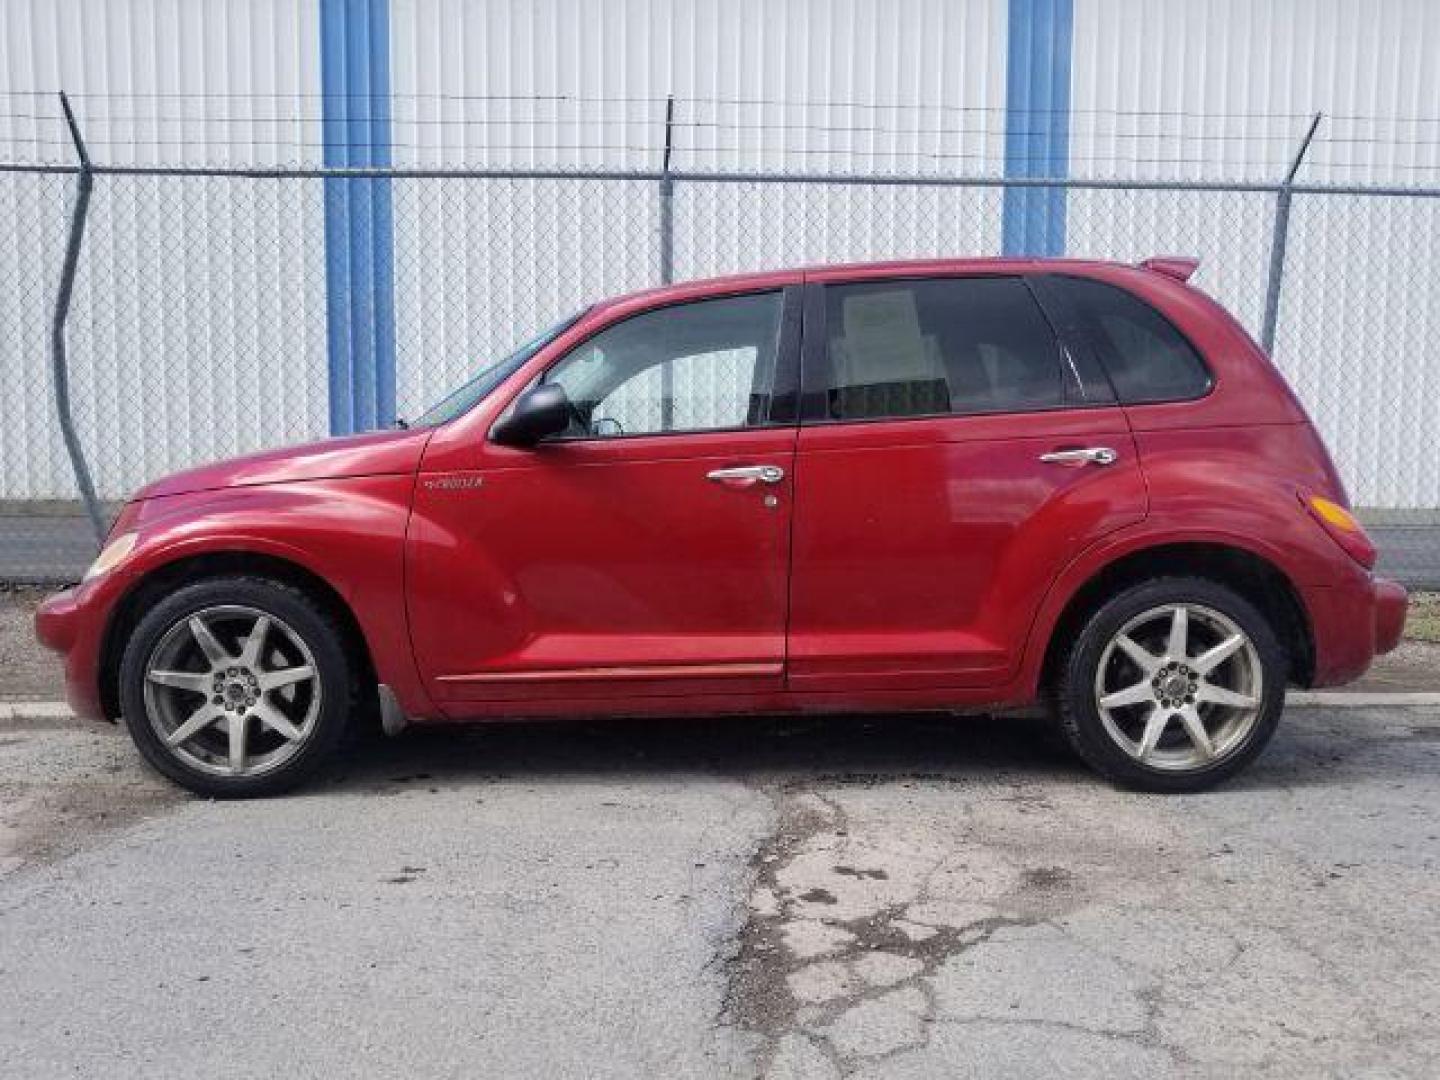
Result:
[{"x": 158, "y": 316}]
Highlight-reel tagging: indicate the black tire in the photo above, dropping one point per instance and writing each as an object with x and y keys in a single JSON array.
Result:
[
  {"x": 1074, "y": 692},
  {"x": 302, "y": 617}
]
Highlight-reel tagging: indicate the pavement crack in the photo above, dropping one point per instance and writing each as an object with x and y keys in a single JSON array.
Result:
[{"x": 760, "y": 995}]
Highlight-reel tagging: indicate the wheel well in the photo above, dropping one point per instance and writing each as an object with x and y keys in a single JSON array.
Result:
[
  {"x": 172, "y": 576},
  {"x": 1256, "y": 579}
]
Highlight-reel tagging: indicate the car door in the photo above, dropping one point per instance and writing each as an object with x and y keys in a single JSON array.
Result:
[
  {"x": 645, "y": 551},
  {"x": 954, "y": 455}
]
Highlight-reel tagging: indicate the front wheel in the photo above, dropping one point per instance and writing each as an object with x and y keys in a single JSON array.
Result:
[
  {"x": 1173, "y": 685},
  {"x": 236, "y": 686}
]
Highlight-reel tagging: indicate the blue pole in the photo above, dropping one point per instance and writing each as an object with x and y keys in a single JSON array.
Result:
[
  {"x": 359, "y": 222},
  {"x": 1037, "y": 124}
]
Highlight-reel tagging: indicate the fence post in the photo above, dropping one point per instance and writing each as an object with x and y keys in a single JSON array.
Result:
[
  {"x": 60, "y": 368},
  {"x": 1279, "y": 239},
  {"x": 667, "y": 258}
]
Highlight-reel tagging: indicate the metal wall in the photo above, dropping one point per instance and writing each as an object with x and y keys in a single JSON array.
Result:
[
  {"x": 183, "y": 265},
  {"x": 907, "y": 86},
  {"x": 1226, "y": 89},
  {"x": 271, "y": 294}
]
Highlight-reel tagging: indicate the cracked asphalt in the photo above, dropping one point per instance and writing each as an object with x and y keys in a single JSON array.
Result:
[
  {"x": 818, "y": 897},
  {"x": 1017, "y": 922}
]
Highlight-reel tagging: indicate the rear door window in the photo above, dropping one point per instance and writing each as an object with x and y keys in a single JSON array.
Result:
[
  {"x": 938, "y": 346},
  {"x": 1147, "y": 358}
]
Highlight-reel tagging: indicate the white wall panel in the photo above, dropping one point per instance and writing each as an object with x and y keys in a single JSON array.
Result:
[
  {"x": 908, "y": 84},
  {"x": 1225, "y": 90},
  {"x": 1357, "y": 338},
  {"x": 198, "y": 328},
  {"x": 162, "y": 81},
  {"x": 850, "y": 86}
]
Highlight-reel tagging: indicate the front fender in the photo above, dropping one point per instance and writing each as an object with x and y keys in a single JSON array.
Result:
[{"x": 349, "y": 532}]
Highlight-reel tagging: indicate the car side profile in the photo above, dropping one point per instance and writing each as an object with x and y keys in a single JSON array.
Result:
[{"x": 946, "y": 485}]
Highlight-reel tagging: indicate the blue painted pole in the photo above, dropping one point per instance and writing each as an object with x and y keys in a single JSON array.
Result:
[
  {"x": 359, "y": 222},
  {"x": 1037, "y": 124}
]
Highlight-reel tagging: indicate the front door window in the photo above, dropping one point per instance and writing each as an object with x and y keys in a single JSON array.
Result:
[{"x": 703, "y": 366}]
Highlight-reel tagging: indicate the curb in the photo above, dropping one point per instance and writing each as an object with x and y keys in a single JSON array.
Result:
[
  {"x": 35, "y": 710},
  {"x": 1339, "y": 699}
]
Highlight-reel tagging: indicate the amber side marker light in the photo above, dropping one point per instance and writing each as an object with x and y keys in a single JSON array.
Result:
[{"x": 1342, "y": 527}]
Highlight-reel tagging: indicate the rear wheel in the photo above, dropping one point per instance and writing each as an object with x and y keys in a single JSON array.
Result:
[
  {"x": 1172, "y": 685},
  {"x": 236, "y": 686}
]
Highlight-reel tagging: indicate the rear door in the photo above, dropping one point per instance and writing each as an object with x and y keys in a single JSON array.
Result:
[{"x": 953, "y": 457}]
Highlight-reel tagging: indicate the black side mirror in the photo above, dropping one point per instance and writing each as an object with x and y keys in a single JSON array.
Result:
[{"x": 540, "y": 412}]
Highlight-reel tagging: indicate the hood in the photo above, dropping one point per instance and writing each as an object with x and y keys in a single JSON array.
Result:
[{"x": 369, "y": 454}]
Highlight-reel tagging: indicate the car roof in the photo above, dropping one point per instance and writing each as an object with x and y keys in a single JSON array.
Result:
[{"x": 858, "y": 271}]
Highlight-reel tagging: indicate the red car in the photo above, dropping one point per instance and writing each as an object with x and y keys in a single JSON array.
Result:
[{"x": 952, "y": 485}]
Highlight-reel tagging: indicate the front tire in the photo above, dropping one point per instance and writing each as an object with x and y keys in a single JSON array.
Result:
[
  {"x": 1172, "y": 685},
  {"x": 236, "y": 686}
]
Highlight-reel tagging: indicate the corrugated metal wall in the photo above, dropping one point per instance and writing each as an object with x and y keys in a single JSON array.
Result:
[
  {"x": 195, "y": 334},
  {"x": 907, "y": 86},
  {"x": 225, "y": 285},
  {"x": 1226, "y": 89}
]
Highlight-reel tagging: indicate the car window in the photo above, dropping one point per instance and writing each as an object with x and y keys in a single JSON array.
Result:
[
  {"x": 702, "y": 366},
  {"x": 943, "y": 345},
  {"x": 1147, "y": 359}
]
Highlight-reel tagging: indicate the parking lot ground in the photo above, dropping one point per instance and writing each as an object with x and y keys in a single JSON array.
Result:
[{"x": 820, "y": 897}]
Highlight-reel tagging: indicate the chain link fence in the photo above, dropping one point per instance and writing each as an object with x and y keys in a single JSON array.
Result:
[{"x": 200, "y": 326}]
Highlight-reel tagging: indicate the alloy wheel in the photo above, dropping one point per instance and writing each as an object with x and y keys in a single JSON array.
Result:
[
  {"x": 232, "y": 691},
  {"x": 1179, "y": 687}
]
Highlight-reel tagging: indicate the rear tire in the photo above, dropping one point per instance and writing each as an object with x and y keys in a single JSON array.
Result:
[
  {"x": 236, "y": 686},
  {"x": 1172, "y": 685}
]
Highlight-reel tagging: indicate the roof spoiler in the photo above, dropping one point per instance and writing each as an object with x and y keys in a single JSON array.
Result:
[{"x": 1179, "y": 267}]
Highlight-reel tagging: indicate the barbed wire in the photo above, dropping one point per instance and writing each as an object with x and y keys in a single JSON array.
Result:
[{"x": 210, "y": 127}]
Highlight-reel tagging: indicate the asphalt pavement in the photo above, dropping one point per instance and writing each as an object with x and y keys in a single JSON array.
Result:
[{"x": 822, "y": 897}]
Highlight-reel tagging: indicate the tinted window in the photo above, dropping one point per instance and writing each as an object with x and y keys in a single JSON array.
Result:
[
  {"x": 1148, "y": 360},
  {"x": 704, "y": 366},
  {"x": 943, "y": 345}
]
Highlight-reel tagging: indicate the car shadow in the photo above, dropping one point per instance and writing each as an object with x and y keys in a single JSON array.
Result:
[
  {"x": 1309, "y": 750},
  {"x": 766, "y": 748}
]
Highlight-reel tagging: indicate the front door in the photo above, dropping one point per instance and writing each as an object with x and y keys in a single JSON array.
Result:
[
  {"x": 646, "y": 551},
  {"x": 953, "y": 457}
]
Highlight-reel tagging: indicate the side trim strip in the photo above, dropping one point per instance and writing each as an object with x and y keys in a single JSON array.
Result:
[{"x": 647, "y": 671}]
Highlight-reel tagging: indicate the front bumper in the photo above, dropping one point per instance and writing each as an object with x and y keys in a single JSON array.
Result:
[{"x": 71, "y": 626}]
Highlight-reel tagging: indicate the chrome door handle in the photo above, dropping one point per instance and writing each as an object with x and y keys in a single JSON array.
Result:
[
  {"x": 1090, "y": 455},
  {"x": 747, "y": 475}
]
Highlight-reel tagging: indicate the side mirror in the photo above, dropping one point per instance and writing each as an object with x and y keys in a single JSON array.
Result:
[{"x": 540, "y": 412}]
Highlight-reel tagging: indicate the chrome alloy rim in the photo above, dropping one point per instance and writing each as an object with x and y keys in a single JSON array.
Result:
[
  {"x": 232, "y": 691},
  {"x": 1179, "y": 687}
]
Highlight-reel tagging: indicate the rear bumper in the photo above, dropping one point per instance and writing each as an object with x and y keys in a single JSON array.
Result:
[
  {"x": 68, "y": 625},
  {"x": 1352, "y": 623},
  {"x": 1391, "y": 605}
]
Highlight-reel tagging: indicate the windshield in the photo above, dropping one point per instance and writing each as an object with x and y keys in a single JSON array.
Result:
[{"x": 464, "y": 398}]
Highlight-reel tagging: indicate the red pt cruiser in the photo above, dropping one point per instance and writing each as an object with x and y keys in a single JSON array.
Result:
[{"x": 936, "y": 485}]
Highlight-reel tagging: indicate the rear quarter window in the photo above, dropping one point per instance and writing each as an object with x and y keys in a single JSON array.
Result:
[{"x": 1147, "y": 358}]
